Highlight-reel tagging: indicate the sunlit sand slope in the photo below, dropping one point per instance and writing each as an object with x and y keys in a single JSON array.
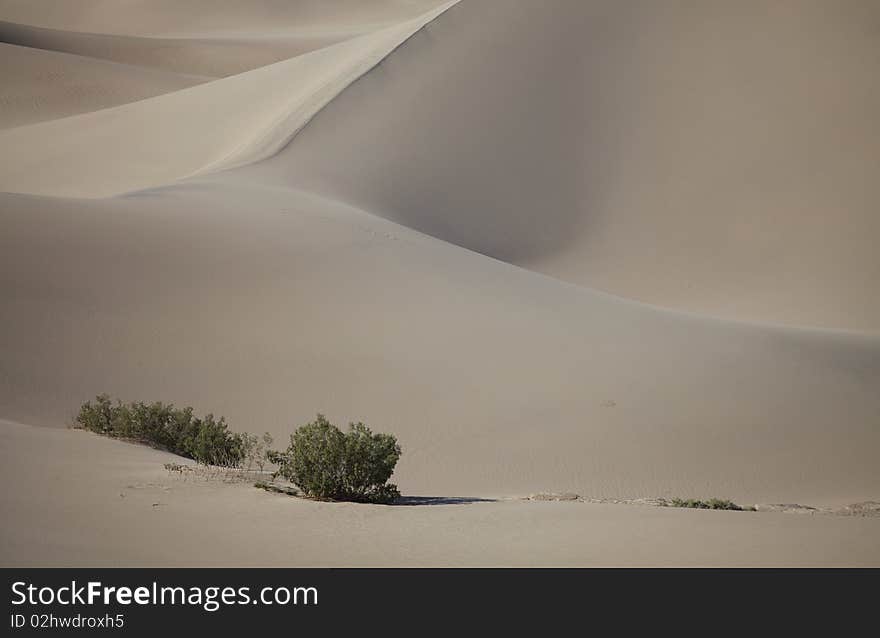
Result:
[
  {"x": 38, "y": 85},
  {"x": 207, "y": 37},
  {"x": 208, "y": 55},
  {"x": 210, "y": 127},
  {"x": 182, "y": 18}
]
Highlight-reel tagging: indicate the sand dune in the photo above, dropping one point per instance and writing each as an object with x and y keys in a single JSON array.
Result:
[
  {"x": 37, "y": 85},
  {"x": 411, "y": 227},
  {"x": 202, "y": 37},
  {"x": 713, "y": 185},
  {"x": 169, "y": 137},
  {"x": 146, "y": 518},
  {"x": 720, "y": 158},
  {"x": 268, "y": 305},
  {"x": 183, "y": 18},
  {"x": 206, "y": 55}
]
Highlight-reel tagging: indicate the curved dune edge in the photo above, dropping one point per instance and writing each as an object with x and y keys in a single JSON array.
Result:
[
  {"x": 206, "y": 128},
  {"x": 198, "y": 54},
  {"x": 38, "y": 85},
  {"x": 268, "y": 305},
  {"x": 716, "y": 158},
  {"x": 345, "y": 275},
  {"x": 214, "y": 18},
  {"x": 276, "y": 135}
]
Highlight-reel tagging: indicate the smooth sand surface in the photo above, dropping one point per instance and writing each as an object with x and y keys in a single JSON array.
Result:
[
  {"x": 236, "y": 120},
  {"x": 38, "y": 85},
  {"x": 411, "y": 226},
  {"x": 209, "y": 55},
  {"x": 269, "y": 305},
  {"x": 204, "y": 37},
  {"x": 183, "y": 18},
  {"x": 722, "y": 158}
]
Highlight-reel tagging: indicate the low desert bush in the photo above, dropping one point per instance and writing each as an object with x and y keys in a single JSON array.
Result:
[
  {"x": 711, "y": 504},
  {"x": 326, "y": 463},
  {"x": 206, "y": 440}
]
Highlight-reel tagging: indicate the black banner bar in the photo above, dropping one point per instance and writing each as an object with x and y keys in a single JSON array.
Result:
[{"x": 250, "y": 601}]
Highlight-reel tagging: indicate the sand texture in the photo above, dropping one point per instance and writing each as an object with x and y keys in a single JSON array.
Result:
[{"x": 625, "y": 251}]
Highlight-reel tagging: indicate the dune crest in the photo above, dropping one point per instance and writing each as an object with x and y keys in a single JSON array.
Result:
[
  {"x": 209, "y": 55},
  {"x": 189, "y": 18},
  {"x": 163, "y": 139},
  {"x": 719, "y": 158},
  {"x": 38, "y": 85}
]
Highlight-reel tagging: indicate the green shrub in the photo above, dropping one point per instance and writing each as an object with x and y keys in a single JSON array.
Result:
[
  {"x": 98, "y": 417},
  {"x": 206, "y": 440},
  {"x": 326, "y": 463},
  {"x": 711, "y": 504}
]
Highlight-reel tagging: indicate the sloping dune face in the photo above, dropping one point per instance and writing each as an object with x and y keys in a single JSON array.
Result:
[
  {"x": 204, "y": 37},
  {"x": 716, "y": 157},
  {"x": 318, "y": 234},
  {"x": 267, "y": 306},
  {"x": 38, "y": 85},
  {"x": 179, "y": 18},
  {"x": 210, "y": 55},
  {"x": 217, "y": 125}
]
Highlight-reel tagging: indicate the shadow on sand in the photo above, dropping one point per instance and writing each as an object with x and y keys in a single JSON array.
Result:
[{"x": 440, "y": 500}]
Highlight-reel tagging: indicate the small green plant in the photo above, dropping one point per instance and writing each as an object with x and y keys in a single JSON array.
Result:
[
  {"x": 326, "y": 463},
  {"x": 711, "y": 504},
  {"x": 206, "y": 440}
]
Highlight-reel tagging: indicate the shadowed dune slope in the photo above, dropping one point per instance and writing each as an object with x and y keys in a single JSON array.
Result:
[
  {"x": 268, "y": 305},
  {"x": 37, "y": 85},
  {"x": 714, "y": 157}
]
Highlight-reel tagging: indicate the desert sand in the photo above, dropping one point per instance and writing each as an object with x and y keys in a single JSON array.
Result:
[
  {"x": 111, "y": 503},
  {"x": 41, "y": 85},
  {"x": 619, "y": 249}
]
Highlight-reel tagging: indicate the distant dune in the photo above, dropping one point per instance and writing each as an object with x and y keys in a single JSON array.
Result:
[
  {"x": 40, "y": 85},
  {"x": 209, "y": 55},
  {"x": 205, "y": 37},
  {"x": 182, "y": 18},
  {"x": 619, "y": 249},
  {"x": 221, "y": 124},
  {"x": 721, "y": 158}
]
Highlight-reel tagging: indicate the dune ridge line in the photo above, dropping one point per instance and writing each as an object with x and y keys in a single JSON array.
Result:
[{"x": 131, "y": 147}]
